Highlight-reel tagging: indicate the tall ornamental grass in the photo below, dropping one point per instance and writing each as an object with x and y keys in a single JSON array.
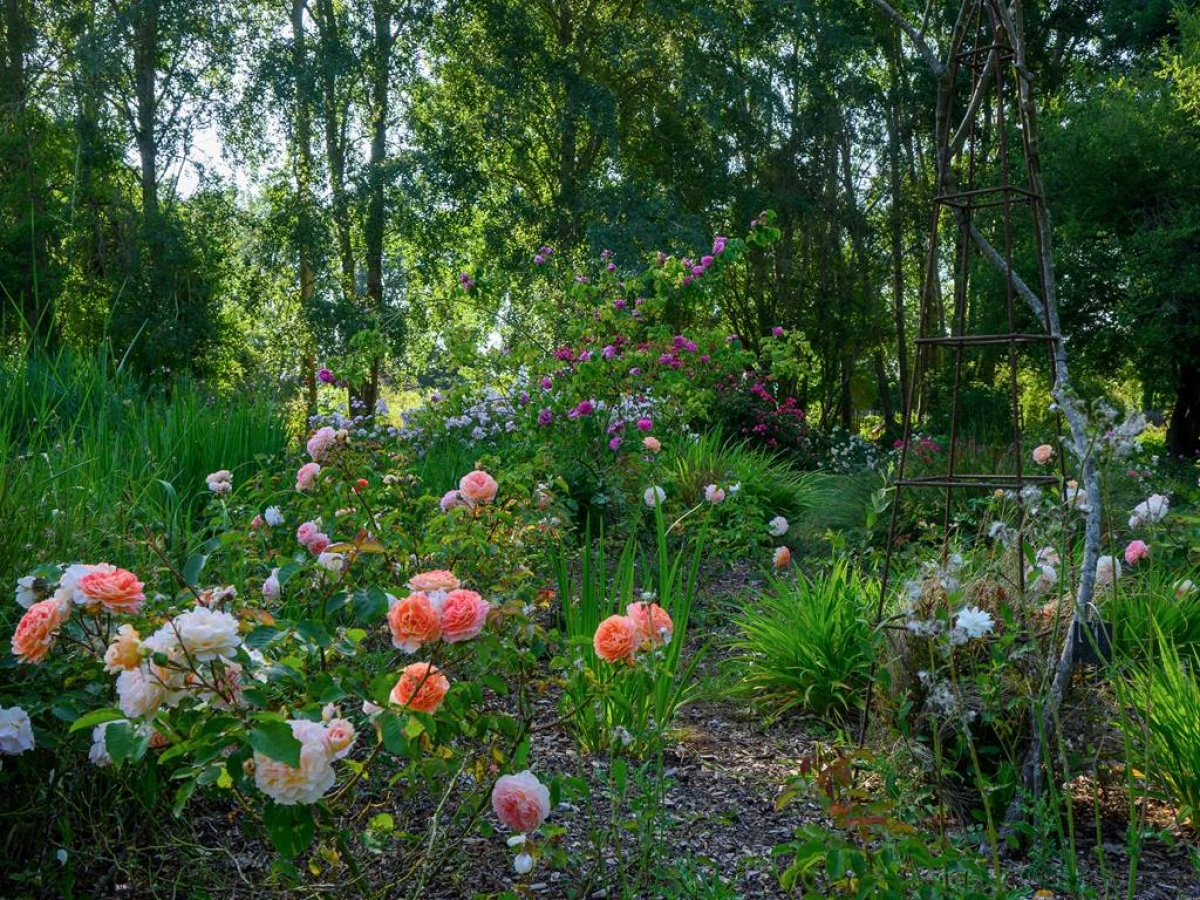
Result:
[
  {"x": 92, "y": 461},
  {"x": 806, "y": 644}
]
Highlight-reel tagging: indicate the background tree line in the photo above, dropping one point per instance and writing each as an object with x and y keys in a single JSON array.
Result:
[{"x": 244, "y": 187}]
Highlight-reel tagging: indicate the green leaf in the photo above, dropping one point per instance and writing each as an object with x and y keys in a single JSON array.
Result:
[
  {"x": 291, "y": 828},
  {"x": 196, "y": 562},
  {"x": 261, "y": 636},
  {"x": 392, "y": 732},
  {"x": 370, "y": 605},
  {"x": 94, "y": 718},
  {"x": 382, "y": 822},
  {"x": 275, "y": 740},
  {"x": 125, "y": 742}
]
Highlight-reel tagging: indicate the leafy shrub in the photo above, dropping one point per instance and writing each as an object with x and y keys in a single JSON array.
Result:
[{"x": 806, "y": 644}]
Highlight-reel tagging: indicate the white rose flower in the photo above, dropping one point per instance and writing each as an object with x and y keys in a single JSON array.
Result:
[
  {"x": 653, "y": 496},
  {"x": 206, "y": 634},
  {"x": 16, "y": 731},
  {"x": 974, "y": 622},
  {"x": 140, "y": 692},
  {"x": 220, "y": 483},
  {"x": 778, "y": 527},
  {"x": 331, "y": 561},
  {"x": 1108, "y": 570},
  {"x": 1150, "y": 511},
  {"x": 288, "y": 785},
  {"x": 273, "y": 516},
  {"x": 25, "y": 592},
  {"x": 98, "y": 754}
]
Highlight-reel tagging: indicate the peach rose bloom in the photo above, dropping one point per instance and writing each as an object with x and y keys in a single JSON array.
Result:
[
  {"x": 782, "y": 558},
  {"x": 1043, "y": 454},
  {"x": 422, "y": 688},
  {"x": 463, "y": 615},
  {"x": 125, "y": 651},
  {"x": 616, "y": 639},
  {"x": 437, "y": 580},
  {"x": 307, "y": 475},
  {"x": 653, "y": 622},
  {"x": 478, "y": 487},
  {"x": 652, "y": 444},
  {"x": 521, "y": 801},
  {"x": 413, "y": 622},
  {"x": 37, "y": 629},
  {"x": 118, "y": 590}
]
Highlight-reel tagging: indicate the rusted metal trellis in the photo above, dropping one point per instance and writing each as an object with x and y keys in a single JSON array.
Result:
[{"x": 986, "y": 128}]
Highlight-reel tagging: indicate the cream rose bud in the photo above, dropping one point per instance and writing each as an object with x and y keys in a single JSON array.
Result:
[
  {"x": 523, "y": 864},
  {"x": 16, "y": 731},
  {"x": 206, "y": 634}
]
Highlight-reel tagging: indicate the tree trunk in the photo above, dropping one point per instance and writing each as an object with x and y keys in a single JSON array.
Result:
[
  {"x": 896, "y": 218},
  {"x": 367, "y": 393},
  {"x": 335, "y": 140},
  {"x": 145, "y": 67},
  {"x": 303, "y": 163},
  {"x": 1183, "y": 434}
]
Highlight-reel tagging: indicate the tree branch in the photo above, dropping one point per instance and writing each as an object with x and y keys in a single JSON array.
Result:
[{"x": 914, "y": 35}]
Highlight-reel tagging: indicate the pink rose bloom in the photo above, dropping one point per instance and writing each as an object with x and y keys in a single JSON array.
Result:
[
  {"x": 37, "y": 630},
  {"x": 1043, "y": 454},
  {"x": 306, "y": 532},
  {"x": 307, "y": 475},
  {"x": 117, "y": 590},
  {"x": 478, "y": 487},
  {"x": 318, "y": 543},
  {"x": 714, "y": 494},
  {"x": 521, "y": 801},
  {"x": 653, "y": 622},
  {"x": 652, "y": 444},
  {"x": 1135, "y": 551},
  {"x": 452, "y": 499},
  {"x": 321, "y": 441},
  {"x": 463, "y": 616}
]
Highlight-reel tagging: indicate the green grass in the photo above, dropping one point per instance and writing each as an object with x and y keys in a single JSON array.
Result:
[{"x": 92, "y": 462}]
